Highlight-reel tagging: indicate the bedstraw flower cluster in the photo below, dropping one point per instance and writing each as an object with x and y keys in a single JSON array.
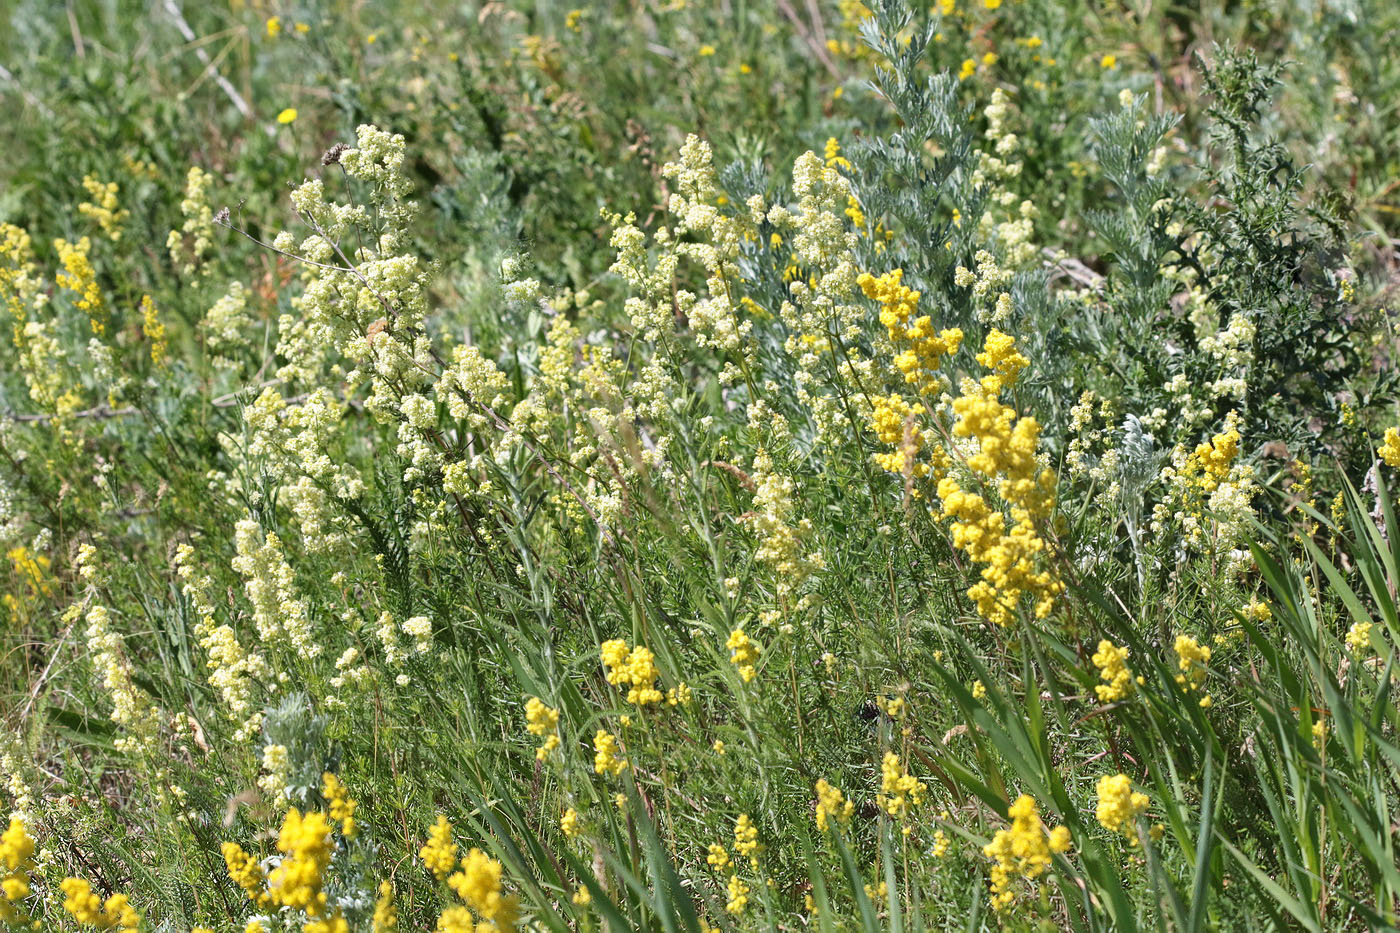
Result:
[
  {"x": 1389, "y": 451},
  {"x": 899, "y": 790},
  {"x": 85, "y": 907},
  {"x": 16, "y": 862},
  {"x": 1023, "y": 851},
  {"x": 919, "y": 348},
  {"x": 543, "y": 721},
  {"x": 1005, "y": 454},
  {"x": 832, "y": 806},
  {"x": 635, "y": 669},
  {"x": 1119, "y": 805},
  {"x": 1193, "y": 660},
  {"x": 1112, "y": 663}
]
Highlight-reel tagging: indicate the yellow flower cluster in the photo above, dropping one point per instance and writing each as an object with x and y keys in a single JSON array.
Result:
[
  {"x": 16, "y": 861},
  {"x": 746, "y": 838},
  {"x": 832, "y": 805},
  {"x": 738, "y": 895},
  {"x": 79, "y": 278},
  {"x": 305, "y": 843},
  {"x": 1025, "y": 850},
  {"x": 1112, "y": 663},
  {"x": 439, "y": 854},
  {"x": 918, "y": 348},
  {"x": 1192, "y": 660},
  {"x": 568, "y": 823},
  {"x": 899, "y": 790},
  {"x": 246, "y": 873},
  {"x": 1119, "y": 805},
  {"x": 743, "y": 653},
  {"x": 1358, "y": 637},
  {"x": 90, "y": 910},
  {"x": 893, "y": 422},
  {"x": 1209, "y": 465},
  {"x": 342, "y": 808},
  {"x": 386, "y": 915},
  {"x": 606, "y": 759},
  {"x": 1006, "y": 453},
  {"x": 634, "y": 669},
  {"x": 544, "y": 721},
  {"x": 154, "y": 331},
  {"x": 103, "y": 207},
  {"x": 1389, "y": 450},
  {"x": 479, "y": 885}
]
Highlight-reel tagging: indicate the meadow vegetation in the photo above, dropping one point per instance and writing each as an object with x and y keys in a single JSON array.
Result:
[{"x": 699, "y": 466}]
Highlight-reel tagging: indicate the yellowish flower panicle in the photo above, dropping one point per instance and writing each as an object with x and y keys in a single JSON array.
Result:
[
  {"x": 80, "y": 279},
  {"x": 919, "y": 348},
  {"x": 90, "y": 910},
  {"x": 899, "y": 790},
  {"x": 635, "y": 669},
  {"x": 305, "y": 843},
  {"x": 606, "y": 759},
  {"x": 154, "y": 331},
  {"x": 1113, "y": 670},
  {"x": 189, "y": 245},
  {"x": 1389, "y": 451},
  {"x": 893, "y": 421},
  {"x": 746, "y": 838},
  {"x": 479, "y": 885},
  {"x": 717, "y": 857},
  {"x": 832, "y": 806},
  {"x": 16, "y": 861},
  {"x": 103, "y": 209},
  {"x": 439, "y": 854},
  {"x": 1193, "y": 660},
  {"x": 1119, "y": 805},
  {"x": 738, "y": 896},
  {"x": 1024, "y": 850},
  {"x": 1006, "y": 452},
  {"x": 455, "y": 919},
  {"x": 246, "y": 873},
  {"x": 342, "y": 808},
  {"x": 543, "y": 721},
  {"x": 1358, "y": 637},
  {"x": 743, "y": 652},
  {"x": 568, "y": 823}
]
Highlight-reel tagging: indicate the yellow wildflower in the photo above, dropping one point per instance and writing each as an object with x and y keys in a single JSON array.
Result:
[
  {"x": 743, "y": 653},
  {"x": 1024, "y": 850},
  {"x": 479, "y": 884},
  {"x": 246, "y": 873},
  {"x": 1112, "y": 664},
  {"x": 386, "y": 915},
  {"x": 606, "y": 760},
  {"x": 90, "y": 910},
  {"x": 342, "y": 808},
  {"x": 305, "y": 842},
  {"x": 635, "y": 669},
  {"x": 440, "y": 852},
  {"x": 1389, "y": 450},
  {"x": 738, "y": 895},
  {"x": 899, "y": 791},
  {"x": 832, "y": 805},
  {"x": 1119, "y": 805},
  {"x": 542, "y": 720}
]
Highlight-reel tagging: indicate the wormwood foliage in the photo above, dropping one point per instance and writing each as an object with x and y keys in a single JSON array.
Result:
[{"x": 683, "y": 466}]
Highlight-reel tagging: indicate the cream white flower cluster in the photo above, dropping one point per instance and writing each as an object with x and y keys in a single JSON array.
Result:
[
  {"x": 785, "y": 542},
  {"x": 233, "y": 670},
  {"x": 826, "y": 316},
  {"x": 279, "y": 612}
]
